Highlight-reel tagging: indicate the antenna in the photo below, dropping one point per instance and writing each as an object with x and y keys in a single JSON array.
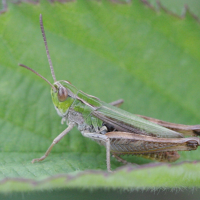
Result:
[
  {"x": 38, "y": 75},
  {"x": 47, "y": 51}
]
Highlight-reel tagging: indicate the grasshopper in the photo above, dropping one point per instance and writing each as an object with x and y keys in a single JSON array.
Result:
[{"x": 119, "y": 131}]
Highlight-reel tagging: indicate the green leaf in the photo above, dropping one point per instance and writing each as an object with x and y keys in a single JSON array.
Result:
[{"x": 106, "y": 49}]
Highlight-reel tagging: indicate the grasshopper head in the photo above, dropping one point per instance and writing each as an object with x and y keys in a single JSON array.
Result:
[{"x": 63, "y": 95}]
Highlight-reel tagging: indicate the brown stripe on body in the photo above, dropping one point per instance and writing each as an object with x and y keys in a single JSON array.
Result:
[{"x": 187, "y": 130}]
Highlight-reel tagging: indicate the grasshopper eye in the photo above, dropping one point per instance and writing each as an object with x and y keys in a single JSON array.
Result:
[{"x": 62, "y": 94}]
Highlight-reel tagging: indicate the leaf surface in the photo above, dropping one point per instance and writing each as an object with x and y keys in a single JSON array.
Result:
[{"x": 108, "y": 50}]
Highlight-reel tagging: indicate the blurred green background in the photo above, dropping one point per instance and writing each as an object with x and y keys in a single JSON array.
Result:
[
  {"x": 146, "y": 53},
  {"x": 74, "y": 194}
]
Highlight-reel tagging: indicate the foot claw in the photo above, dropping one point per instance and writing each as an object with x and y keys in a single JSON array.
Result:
[
  {"x": 35, "y": 160},
  {"x": 38, "y": 159}
]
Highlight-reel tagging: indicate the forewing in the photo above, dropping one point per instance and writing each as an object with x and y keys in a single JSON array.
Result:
[{"x": 127, "y": 122}]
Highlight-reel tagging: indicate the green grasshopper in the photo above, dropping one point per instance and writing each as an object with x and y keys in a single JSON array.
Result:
[{"x": 119, "y": 131}]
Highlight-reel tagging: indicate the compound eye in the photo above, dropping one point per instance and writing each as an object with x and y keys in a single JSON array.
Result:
[{"x": 62, "y": 94}]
